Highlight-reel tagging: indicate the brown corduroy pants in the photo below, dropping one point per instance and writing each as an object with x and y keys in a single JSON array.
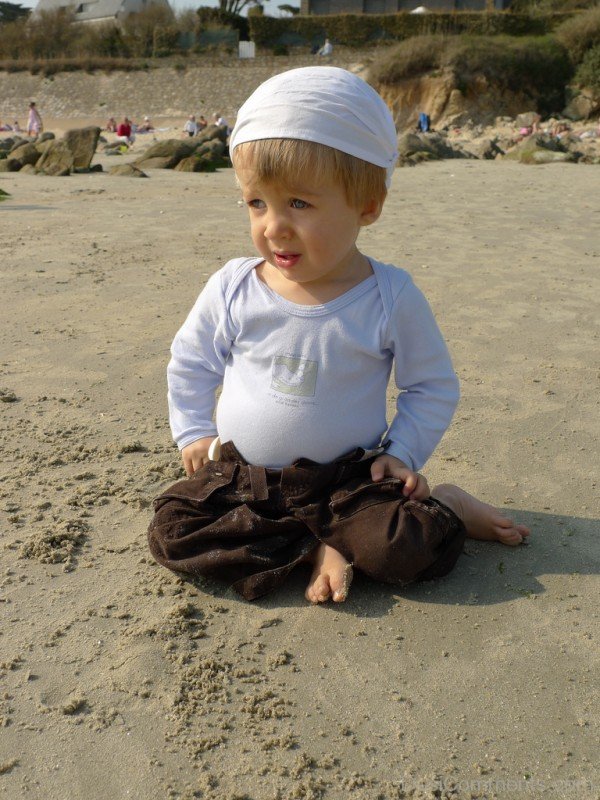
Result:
[{"x": 250, "y": 526}]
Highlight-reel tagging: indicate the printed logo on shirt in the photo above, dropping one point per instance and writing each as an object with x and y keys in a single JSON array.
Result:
[{"x": 293, "y": 375}]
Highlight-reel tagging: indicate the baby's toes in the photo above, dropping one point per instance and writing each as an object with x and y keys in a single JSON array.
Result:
[
  {"x": 319, "y": 590},
  {"x": 340, "y": 584},
  {"x": 511, "y": 536}
]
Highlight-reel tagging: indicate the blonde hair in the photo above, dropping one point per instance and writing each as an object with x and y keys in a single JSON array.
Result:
[{"x": 289, "y": 161}]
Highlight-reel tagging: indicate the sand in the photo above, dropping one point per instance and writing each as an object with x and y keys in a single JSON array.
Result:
[{"x": 119, "y": 680}]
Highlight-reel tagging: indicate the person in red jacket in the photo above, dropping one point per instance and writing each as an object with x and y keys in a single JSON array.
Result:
[{"x": 124, "y": 132}]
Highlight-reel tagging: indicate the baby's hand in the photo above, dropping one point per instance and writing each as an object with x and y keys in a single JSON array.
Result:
[
  {"x": 415, "y": 485},
  {"x": 195, "y": 455}
]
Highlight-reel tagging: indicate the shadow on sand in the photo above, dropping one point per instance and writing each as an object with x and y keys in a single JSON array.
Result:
[{"x": 487, "y": 573}]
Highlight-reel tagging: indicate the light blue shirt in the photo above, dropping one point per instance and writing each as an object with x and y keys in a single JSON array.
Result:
[{"x": 310, "y": 381}]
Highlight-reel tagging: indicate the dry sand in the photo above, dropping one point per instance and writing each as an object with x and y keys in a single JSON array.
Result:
[{"x": 121, "y": 681}]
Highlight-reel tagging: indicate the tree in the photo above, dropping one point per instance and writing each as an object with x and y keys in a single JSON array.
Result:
[
  {"x": 9, "y": 12},
  {"x": 236, "y": 6}
]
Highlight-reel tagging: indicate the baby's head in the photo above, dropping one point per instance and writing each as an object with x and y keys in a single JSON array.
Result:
[{"x": 315, "y": 124}]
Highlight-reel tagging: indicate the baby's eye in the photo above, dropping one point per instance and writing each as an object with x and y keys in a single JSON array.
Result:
[
  {"x": 295, "y": 202},
  {"x": 255, "y": 203}
]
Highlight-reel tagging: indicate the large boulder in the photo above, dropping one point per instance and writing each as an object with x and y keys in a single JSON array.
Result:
[
  {"x": 82, "y": 143},
  {"x": 57, "y": 160},
  {"x": 416, "y": 147},
  {"x": 25, "y": 153},
  {"x": 170, "y": 151},
  {"x": 540, "y": 149},
  {"x": 214, "y": 148},
  {"x": 212, "y": 132}
]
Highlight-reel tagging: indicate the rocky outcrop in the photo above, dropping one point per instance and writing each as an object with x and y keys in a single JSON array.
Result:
[
  {"x": 203, "y": 153},
  {"x": 448, "y": 104},
  {"x": 48, "y": 155}
]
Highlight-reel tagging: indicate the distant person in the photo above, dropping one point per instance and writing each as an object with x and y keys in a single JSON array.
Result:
[
  {"x": 221, "y": 122},
  {"x": 34, "y": 121},
  {"x": 125, "y": 132},
  {"x": 201, "y": 123},
  {"x": 111, "y": 125},
  {"x": 16, "y": 127},
  {"x": 146, "y": 126},
  {"x": 191, "y": 127},
  {"x": 326, "y": 50},
  {"x": 424, "y": 122}
]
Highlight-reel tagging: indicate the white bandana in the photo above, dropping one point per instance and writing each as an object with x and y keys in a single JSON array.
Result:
[{"x": 327, "y": 105}]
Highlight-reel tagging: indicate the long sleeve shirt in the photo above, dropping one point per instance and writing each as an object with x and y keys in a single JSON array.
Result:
[{"x": 310, "y": 381}]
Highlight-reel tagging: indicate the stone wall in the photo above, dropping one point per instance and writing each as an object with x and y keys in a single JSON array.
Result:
[{"x": 218, "y": 84}]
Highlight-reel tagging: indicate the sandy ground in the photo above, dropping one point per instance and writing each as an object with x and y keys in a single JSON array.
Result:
[{"x": 121, "y": 681}]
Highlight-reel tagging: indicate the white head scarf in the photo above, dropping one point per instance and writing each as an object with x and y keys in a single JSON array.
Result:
[{"x": 327, "y": 105}]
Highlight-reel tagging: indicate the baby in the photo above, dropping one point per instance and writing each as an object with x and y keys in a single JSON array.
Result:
[{"x": 303, "y": 338}]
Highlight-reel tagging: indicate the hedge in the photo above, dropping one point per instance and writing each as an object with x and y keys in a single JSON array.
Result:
[{"x": 357, "y": 30}]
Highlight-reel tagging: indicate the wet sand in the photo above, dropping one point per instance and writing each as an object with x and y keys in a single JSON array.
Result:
[{"x": 120, "y": 680}]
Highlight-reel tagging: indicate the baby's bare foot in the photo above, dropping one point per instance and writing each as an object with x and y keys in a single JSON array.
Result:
[
  {"x": 481, "y": 520},
  {"x": 331, "y": 576}
]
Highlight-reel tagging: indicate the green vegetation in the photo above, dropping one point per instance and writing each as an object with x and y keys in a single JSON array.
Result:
[
  {"x": 588, "y": 72},
  {"x": 580, "y": 33},
  {"x": 515, "y": 63}
]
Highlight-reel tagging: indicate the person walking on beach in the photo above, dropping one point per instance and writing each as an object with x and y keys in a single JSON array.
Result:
[
  {"x": 34, "y": 121},
  {"x": 300, "y": 465}
]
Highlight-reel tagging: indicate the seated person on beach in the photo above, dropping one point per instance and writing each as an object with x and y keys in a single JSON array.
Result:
[
  {"x": 146, "y": 126},
  {"x": 201, "y": 123},
  {"x": 111, "y": 125},
  {"x": 326, "y": 50},
  {"x": 300, "y": 465},
  {"x": 125, "y": 133}
]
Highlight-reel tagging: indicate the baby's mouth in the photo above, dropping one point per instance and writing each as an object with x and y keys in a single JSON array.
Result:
[{"x": 286, "y": 260}]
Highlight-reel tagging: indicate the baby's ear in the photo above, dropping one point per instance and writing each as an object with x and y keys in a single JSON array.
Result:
[{"x": 371, "y": 211}]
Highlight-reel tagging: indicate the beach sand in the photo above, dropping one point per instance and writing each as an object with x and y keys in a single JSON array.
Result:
[{"x": 120, "y": 680}]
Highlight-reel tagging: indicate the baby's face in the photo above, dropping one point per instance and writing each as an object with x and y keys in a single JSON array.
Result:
[{"x": 307, "y": 232}]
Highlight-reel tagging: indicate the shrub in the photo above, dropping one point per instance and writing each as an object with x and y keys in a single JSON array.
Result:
[
  {"x": 580, "y": 33},
  {"x": 588, "y": 72},
  {"x": 537, "y": 65}
]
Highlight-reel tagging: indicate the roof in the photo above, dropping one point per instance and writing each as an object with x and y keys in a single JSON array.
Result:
[{"x": 86, "y": 10}]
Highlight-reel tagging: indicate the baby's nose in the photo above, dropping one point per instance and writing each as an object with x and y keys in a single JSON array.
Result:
[{"x": 277, "y": 225}]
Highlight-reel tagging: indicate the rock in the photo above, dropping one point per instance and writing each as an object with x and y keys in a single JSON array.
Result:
[
  {"x": 527, "y": 120},
  {"x": 540, "y": 149},
  {"x": 171, "y": 151},
  {"x": 47, "y": 136},
  {"x": 159, "y": 162},
  {"x": 82, "y": 143},
  {"x": 417, "y": 147},
  {"x": 214, "y": 148},
  {"x": 211, "y": 132},
  {"x": 189, "y": 164},
  {"x": 28, "y": 169},
  {"x": 127, "y": 170},
  {"x": 582, "y": 105},
  {"x": 57, "y": 160},
  {"x": 17, "y": 142},
  {"x": 25, "y": 153},
  {"x": 10, "y": 165},
  {"x": 483, "y": 148},
  {"x": 41, "y": 147}
]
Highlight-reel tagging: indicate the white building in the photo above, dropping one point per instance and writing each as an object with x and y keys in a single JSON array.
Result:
[{"x": 100, "y": 10}]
